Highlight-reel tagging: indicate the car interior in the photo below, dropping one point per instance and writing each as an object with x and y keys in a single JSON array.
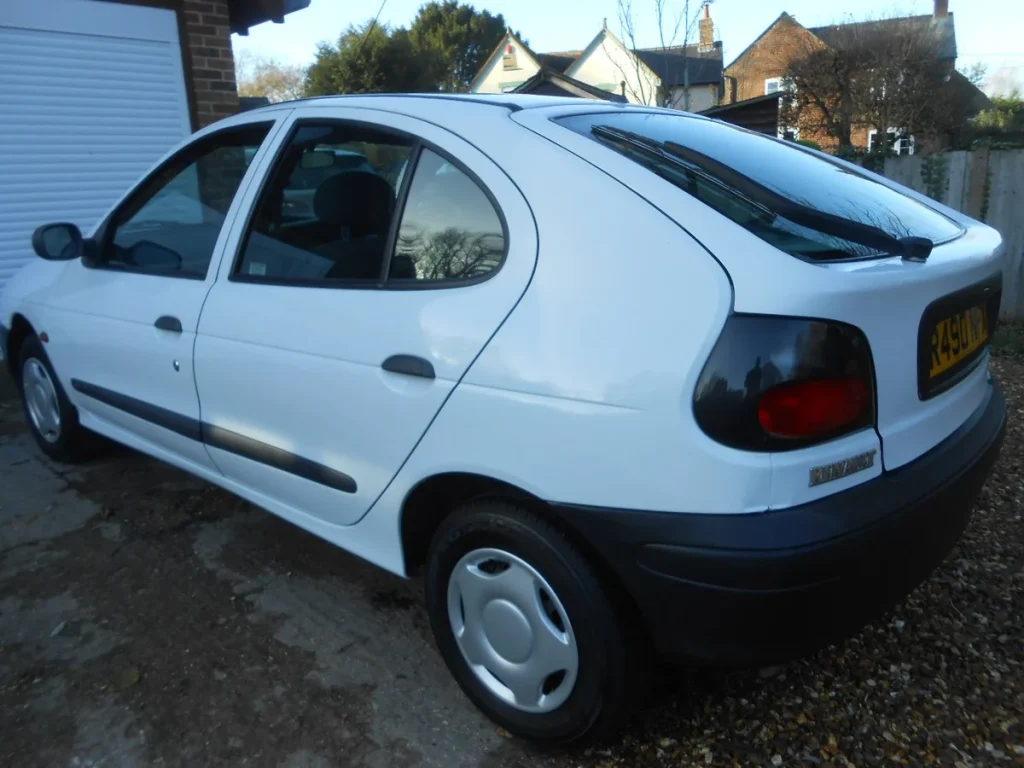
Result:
[{"x": 343, "y": 230}]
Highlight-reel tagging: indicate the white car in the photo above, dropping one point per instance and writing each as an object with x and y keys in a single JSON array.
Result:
[{"x": 614, "y": 378}]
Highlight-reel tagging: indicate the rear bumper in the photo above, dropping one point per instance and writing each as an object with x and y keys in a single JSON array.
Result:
[{"x": 766, "y": 587}]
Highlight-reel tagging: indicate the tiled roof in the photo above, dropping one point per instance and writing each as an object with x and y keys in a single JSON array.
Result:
[
  {"x": 942, "y": 26},
  {"x": 558, "y": 61},
  {"x": 673, "y": 67}
]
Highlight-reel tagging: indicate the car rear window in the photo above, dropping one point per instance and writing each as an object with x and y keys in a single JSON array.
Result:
[{"x": 799, "y": 202}]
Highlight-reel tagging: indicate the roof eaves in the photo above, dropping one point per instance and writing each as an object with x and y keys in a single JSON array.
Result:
[
  {"x": 590, "y": 48},
  {"x": 576, "y": 87},
  {"x": 739, "y": 104},
  {"x": 243, "y": 14},
  {"x": 593, "y": 90}
]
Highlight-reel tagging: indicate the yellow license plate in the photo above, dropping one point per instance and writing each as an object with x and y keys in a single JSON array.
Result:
[{"x": 958, "y": 337}]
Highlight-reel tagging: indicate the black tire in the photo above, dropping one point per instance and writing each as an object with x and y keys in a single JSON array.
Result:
[
  {"x": 73, "y": 443},
  {"x": 613, "y": 672}
]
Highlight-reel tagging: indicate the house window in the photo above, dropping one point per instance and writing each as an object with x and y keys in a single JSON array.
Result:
[
  {"x": 774, "y": 85},
  {"x": 899, "y": 142}
]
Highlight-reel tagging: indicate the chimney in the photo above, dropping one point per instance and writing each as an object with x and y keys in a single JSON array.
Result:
[
  {"x": 941, "y": 9},
  {"x": 707, "y": 30}
]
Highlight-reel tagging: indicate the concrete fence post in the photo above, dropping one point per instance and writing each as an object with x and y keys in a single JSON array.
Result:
[{"x": 974, "y": 199}]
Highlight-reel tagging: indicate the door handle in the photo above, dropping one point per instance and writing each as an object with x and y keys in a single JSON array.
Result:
[
  {"x": 168, "y": 323},
  {"x": 410, "y": 365}
]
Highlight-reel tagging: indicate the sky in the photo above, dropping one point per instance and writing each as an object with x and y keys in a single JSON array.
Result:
[{"x": 987, "y": 31}]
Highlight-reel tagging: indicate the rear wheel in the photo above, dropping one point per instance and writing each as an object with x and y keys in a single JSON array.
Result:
[
  {"x": 50, "y": 415},
  {"x": 527, "y": 629}
]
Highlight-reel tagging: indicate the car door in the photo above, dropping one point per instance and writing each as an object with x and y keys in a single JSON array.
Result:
[
  {"x": 121, "y": 323},
  {"x": 336, "y": 333}
]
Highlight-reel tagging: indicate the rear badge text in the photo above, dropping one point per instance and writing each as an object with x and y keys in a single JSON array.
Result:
[{"x": 839, "y": 469}]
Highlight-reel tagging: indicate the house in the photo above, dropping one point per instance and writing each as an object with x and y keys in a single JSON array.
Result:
[
  {"x": 687, "y": 77},
  {"x": 760, "y": 69},
  {"x": 96, "y": 91}
]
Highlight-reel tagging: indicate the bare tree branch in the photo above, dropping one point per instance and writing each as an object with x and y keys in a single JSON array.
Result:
[
  {"x": 260, "y": 75},
  {"x": 627, "y": 24},
  {"x": 890, "y": 75},
  {"x": 669, "y": 23}
]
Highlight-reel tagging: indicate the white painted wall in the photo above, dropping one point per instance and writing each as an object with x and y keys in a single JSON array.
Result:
[
  {"x": 607, "y": 63},
  {"x": 497, "y": 79}
]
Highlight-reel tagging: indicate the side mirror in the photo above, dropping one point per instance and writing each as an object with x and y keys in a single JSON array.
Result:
[{"x": 57, "y": 242}]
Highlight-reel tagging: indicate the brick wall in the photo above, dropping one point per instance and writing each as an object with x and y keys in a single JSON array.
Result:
[
  {"x": 208, "y": 48},
  {"x": 768, "y": 57}
]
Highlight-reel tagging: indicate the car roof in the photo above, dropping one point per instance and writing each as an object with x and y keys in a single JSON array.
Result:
[
  {"x": 509, "y": 101},
  {"x": 485, "y": 117}
]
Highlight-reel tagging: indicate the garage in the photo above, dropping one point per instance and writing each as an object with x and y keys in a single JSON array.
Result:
[{"x": 95, "y": 91}]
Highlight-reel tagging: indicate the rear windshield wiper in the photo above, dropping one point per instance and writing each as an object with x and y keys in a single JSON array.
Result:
[{"x": 766, "y": 199}]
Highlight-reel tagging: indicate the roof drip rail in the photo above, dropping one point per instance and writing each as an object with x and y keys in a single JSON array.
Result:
[{"x": 511, "y": 106}]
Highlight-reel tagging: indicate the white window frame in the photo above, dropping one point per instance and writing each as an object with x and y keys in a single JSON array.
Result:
[
  {"x": 779, "y": 82},
  {"x": 903, "y": 146}
]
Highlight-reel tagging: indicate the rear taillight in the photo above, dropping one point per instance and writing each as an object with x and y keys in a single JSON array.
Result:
[
  {"x": 780, "y": 383},
  {"x": 803, "y": 409}
]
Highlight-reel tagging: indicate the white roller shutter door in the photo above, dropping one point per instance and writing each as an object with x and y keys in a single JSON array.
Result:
[{"x": 91, "y": 94}]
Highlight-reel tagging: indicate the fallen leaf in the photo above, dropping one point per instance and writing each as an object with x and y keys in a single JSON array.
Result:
[
  {"x": 503, "y": 733},
  {"x": 831, "y": 748},
  {"x": 125, "y": 679}
]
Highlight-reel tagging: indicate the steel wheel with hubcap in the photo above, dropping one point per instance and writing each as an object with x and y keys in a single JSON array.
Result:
[
  {"x": 512, "y": 630},
  {"x": 52, "y": 417},
  {"x": 41, "y": 399},
  {"x": 528, "y": 629}
]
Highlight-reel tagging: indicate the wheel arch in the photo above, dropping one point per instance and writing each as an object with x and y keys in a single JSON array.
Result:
[
  {"x": 434, "y": 498},
  {"x": 21, "y": 329}
]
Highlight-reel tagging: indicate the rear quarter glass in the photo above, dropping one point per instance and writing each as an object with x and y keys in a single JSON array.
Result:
[{"x": 787, "y": 170}]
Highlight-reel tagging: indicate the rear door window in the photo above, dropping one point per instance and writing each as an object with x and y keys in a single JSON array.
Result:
[
  {"x": 450, "y": 228},
  {"x": 799, "y": 202},
  {"x": 325, "y": 216}
]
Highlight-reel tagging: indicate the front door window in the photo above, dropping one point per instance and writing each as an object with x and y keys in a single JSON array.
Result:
[{"x": 170, "y": 224}]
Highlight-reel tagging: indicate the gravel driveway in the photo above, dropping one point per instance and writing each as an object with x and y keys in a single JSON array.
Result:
[{"x": 149, "y": 619}]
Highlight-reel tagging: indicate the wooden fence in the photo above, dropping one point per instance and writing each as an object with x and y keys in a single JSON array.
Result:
[{"x": 986, "y": 185}]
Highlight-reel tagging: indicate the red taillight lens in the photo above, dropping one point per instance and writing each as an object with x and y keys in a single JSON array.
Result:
[
  {"x": 811, "y": 408},
  {"x": 784, "y": 383}
]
